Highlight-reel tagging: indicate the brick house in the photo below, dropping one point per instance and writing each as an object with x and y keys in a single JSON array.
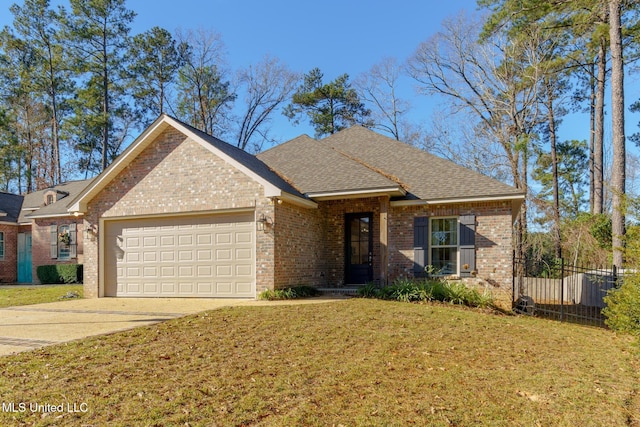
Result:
[
  {"x": 38, "y": 229},
  {"x": 181, "y": 213}
]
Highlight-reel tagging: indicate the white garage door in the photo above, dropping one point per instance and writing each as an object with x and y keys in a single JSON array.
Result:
[{"x": 199, "y": 256}]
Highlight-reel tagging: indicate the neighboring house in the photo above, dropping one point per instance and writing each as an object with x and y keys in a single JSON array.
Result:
[
  {"x": 181, "y": 213},
  {"x": 38, "y": 229}
]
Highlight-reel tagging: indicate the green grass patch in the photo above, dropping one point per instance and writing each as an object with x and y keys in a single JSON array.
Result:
[
  {"x": 36, "y": 294},
  {"x": 414, "y": 290},
  {"x": 357, "y": 362},
  {"x": 289, "y": 293}
]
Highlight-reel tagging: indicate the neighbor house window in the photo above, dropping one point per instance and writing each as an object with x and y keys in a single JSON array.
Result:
[
  {"x": 63, "y": 241},
  {"x": 1, "y": 245},
  {"x": 443, "y": 256}
]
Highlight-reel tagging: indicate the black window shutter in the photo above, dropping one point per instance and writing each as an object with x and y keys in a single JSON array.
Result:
[
  {"x": 420, "y": 245},
  {"x": 467, "y": 245}
]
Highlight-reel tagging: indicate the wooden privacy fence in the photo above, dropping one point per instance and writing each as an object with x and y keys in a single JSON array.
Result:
[{"x": 563, "y": 292}]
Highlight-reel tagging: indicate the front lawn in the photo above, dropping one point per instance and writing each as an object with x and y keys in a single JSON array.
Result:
[
  {"x": 36, "y": 294},
  {"x": 353, "y": 362}
]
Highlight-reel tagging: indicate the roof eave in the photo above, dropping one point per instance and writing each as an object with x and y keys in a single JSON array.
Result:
[
  {"x": 298, "y": 201},
  {"x": 516, "y": 202},
  {"x": 56, "y": 215},
  {"x": 358, "y": 194},
  {"x": 479, "y": 199}
]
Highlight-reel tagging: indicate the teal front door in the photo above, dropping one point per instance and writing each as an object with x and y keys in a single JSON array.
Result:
[{"x": 24, "y": 258}]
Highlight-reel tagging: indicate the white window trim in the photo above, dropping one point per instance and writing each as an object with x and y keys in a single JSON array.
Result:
[
  {"x": 2, "y": 245},
  {"x": 457, "y": 245}
]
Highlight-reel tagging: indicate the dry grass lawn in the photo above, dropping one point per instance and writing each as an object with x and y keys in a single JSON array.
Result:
[
  {"x": 11, "y": 296},
  {"x": 352, "y": 363}
]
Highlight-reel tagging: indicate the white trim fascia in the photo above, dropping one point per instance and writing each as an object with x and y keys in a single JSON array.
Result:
[
  {"x": 419, "y": 202},
  {"x": 358, "y": 194},
  {"x": 9, "y": 223},
  {"x": 298, "y": 201},
  {"x": 60, "y": 215}
]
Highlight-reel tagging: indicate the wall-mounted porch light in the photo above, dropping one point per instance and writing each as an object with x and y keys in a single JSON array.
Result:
[
  {"x": 91, "y": 232},
  {"x": 264, "y": 223}
]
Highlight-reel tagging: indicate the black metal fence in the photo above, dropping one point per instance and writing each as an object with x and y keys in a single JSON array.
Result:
[{"x": 561, "y": 291}]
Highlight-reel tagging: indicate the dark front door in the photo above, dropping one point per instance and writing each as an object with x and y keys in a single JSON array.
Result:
[{"x": 359, "y": 250}]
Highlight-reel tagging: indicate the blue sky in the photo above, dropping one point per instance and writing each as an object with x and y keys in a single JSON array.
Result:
[{"x": 337, "y": 36}]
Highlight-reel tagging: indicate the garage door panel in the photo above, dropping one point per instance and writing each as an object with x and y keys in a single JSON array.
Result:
[
  {"x": 244, "y": 237},
  {"x": 204, "y": 239},
  {"x": 244, "y": 254},
  {"x": 167, "y": 241},
  {"x": 204, "y": 255},
  {"x": 200, "y": 256}
]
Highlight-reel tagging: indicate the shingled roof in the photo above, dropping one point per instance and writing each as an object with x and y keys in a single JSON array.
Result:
[
  {"x": 360, "y": 159},
  {"x": 34, "y": 206},
  {"x": 10, "y": 205},
  {"x": 315, "y": 169}
]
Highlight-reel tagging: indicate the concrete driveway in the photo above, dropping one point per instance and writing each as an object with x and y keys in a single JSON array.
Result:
[
  {"x": 28, "y": 327},
  {"x": 31, "y": 326}
]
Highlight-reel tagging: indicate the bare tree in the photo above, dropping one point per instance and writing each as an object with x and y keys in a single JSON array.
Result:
[
  {"x": 267, "y": 85},
  {"x": 205, "y": 95},
  {"x": 491, "y": 82},
  {"x": 465, "y": 143},
  {"x": 379, "y": 87}
]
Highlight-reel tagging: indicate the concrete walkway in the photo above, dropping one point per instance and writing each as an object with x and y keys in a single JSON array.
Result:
[{"x": 28, "y": 327}]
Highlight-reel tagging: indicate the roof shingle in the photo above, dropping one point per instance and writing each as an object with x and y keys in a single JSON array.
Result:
[{"x": 359, "y": 159}]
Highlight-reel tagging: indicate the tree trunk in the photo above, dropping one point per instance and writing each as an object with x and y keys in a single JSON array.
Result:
[
  {"x": 105, "y": 103},
  {"x": 554, "y": 169},
  {"x": 592, "y": 129},
  {"x": 598, "y": 146},
  {"x": 618, "y": 172}
]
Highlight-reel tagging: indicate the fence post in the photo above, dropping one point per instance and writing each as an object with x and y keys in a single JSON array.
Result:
[{"x": 562, "y": 289}]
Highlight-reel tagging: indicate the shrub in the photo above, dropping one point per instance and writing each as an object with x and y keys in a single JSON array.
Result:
[
  {"x": 301, "y": 291},
  {"x": 59, "y": 273},
  {"x": 623, "y": 306},
  {"x": 370, "y": 290},
  {"x": 412, "y": 290}
]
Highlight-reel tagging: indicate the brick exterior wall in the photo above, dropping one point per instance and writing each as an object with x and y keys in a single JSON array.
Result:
[
  {"x": 9, "y": 263},
  {"x": 41, "y": 243},
  {"x": 177, "y": 175},
  {"x": 493, "y": 243},
  {"x": 299, "y": 247}
]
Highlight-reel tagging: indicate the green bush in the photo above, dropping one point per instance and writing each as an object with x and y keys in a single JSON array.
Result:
[
  {"x": 623, "y": 306},
  {"x": 60, "y": 273},
  {"x": 294, "y": 292},
  {"x": 413, "y": 290}
]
